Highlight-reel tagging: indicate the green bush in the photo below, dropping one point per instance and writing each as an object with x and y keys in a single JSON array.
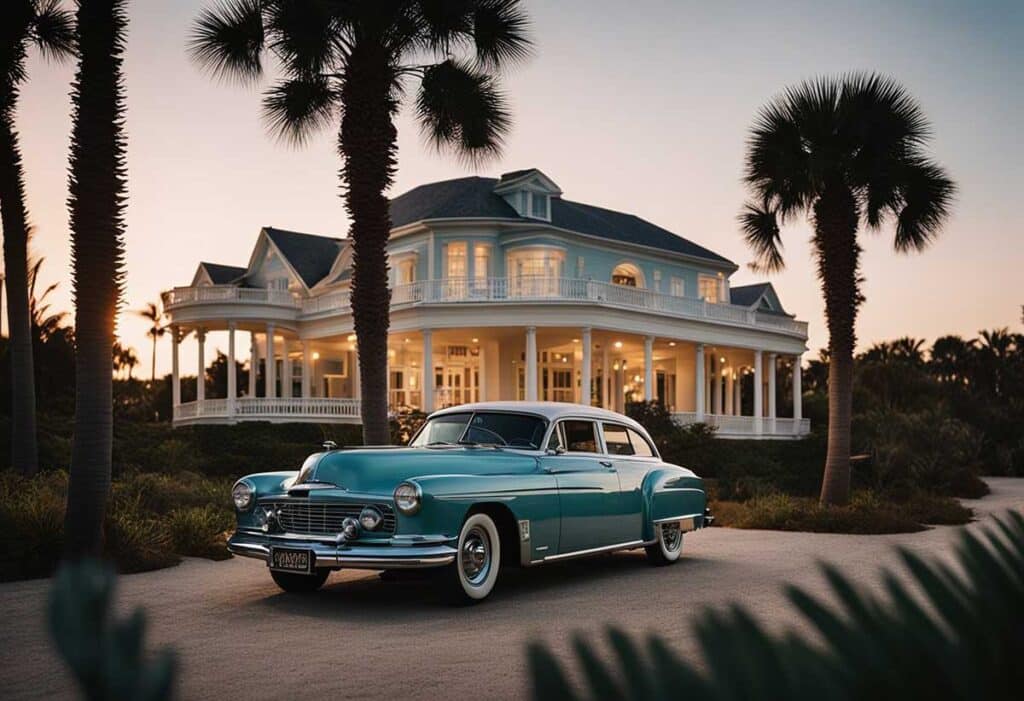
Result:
[
  {"x": 31, "y": 524},
  {"x": 951, "y": 633},
  {"x": 201, "y": 531}
]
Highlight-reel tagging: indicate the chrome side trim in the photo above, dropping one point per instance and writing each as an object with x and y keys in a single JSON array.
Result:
[
  {"x": 671, "y": 519},
  {"x": 594, "y": 551}
]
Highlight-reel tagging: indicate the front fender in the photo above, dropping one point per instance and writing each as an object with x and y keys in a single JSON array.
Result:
[{"x": 669, "y": 492}]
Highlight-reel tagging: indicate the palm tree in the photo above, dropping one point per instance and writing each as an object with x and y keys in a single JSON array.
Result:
[
  {"x": 848, "y": 153},
  {"x": 124, "y": 359},
  {"x": 43, "y": 324},
  {"x": 951, "y": 358},
  {"x": 351, "y": 62},
  {"x": 45, "y": 25},
  {"x": 96, "y": 201},
  {"x": 155, "y": 316}
]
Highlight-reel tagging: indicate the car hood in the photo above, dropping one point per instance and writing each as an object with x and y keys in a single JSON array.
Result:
[{"x": 378, "y": 470}]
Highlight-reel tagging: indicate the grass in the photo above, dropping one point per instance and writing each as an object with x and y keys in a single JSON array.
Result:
[
  {"x": 867, "y": 513},
  {"x": 153, "y": 519}
]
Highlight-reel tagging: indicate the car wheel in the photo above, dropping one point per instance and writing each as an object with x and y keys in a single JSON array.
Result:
[
  {"x": 300, "y": 583},
  {"x": 472, "y": 576},
  {"x": 669, "y": 545}
]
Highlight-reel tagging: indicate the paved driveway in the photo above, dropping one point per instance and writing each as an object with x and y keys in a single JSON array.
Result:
[{"x": 362, "y": 637}]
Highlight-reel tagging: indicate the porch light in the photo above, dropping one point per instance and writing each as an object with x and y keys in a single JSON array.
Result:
[
  {"x": 672, "y": 344},
  {"x": 476, "y": 340},
  {"x": 564, "y": 359},
  {"x": 575, "y": 340},
  {"x": 615, "y": 367},
  {"x": 407, "y": 340},
  {"x": 618, "y": 344},
  {"x": 351, "y": 337},
  {"x": 723, "y": 359},
  {"x": 316, "y": 356},
  {"x": 636, "y": 378}
]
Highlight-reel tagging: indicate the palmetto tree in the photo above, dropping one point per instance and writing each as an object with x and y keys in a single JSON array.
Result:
[
  {"x": 96, "y": 202},
  {"x": 849, "y": 154},
  {"x": 951, "y": 358},
  {"x": 155, "y": 316},
  {"x": 351, "y": 62},
  {"x": 44, "y": 24}
]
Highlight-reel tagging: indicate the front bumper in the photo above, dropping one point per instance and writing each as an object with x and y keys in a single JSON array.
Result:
[{"x": 366, "y": 557}]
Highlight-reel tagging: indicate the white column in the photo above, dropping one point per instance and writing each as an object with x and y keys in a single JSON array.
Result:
[
  {"x": 730, "y": 391},
  {"x": 232, "y": 389},
  {"x": 772, "y": 359},
  {"x": 798, "y": 394},
  {"x": 254, "y": 362},
  {"x": 739, "y": 393},
  {"x": 427, "y": 385},
  {"x": 271, "y": 373},
  {"x": 286, "y": 370},
  {"x": 586, "y": 340},
  {"x": 175, "y": 374},
  {"x": 307, "y": 369},
  {"x": 201, "y": 368},
  {"x": 716, "y": 385},
  {"x": 758, "y": 394},
  {"x": 606, "y": 377},
  {"x": 357, "y": 377},
  {"x": 699, "y": 382},
  {"x": 531, "y": 364},
  {"x": 482, "y": 372},
  {"x": 648, "y": 368}
]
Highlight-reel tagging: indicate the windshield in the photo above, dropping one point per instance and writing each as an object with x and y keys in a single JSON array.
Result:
[{"x": 483, "y": 428}]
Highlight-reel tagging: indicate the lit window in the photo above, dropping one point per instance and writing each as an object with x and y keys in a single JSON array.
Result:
[
  {"x": 678, "y": 287},
  {"x": 456, "y": 260},
  {"x": 627, "y": 275},
  {"x": 709, "y": 288},
  {"x": 481, "y": 261}
]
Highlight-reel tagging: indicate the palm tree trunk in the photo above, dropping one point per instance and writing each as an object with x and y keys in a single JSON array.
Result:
[
  {"x": 838, "y": 254},
  {"x": 367, "y": 144},
  {"x": 24, "y": 451},
  {"x": 96, "y": 203},
  {"x": 152, "y": 371}
]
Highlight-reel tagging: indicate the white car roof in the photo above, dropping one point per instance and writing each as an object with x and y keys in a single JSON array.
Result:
[{"x": 549, "y": 410}]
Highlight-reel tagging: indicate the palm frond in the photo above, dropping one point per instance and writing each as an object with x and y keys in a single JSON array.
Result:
[
  {"x": 938, "y": 632},
  {"x": 53, "y": 30},
  {"x": 459, "y": 108},
  {"x": 228, "y": 40},
  {"x": 444, "y": 24},
  {"x": 301, "y": 35},
  {"x": 924, "y": 204},
  {"x": 297, "y": 108},
  {"x": 760, "y": 228},
  {"x": 501, "y": 32}
]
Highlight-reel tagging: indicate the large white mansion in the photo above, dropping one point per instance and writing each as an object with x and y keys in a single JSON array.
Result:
[{"x": 501, "y": 289}]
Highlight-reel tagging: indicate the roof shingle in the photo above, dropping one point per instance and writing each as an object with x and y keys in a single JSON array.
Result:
[{"x": 310, "y": 255}]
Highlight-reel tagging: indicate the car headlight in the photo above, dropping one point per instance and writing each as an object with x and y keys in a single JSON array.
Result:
[
  {"x": 408, "y": 496},
  {"x": 242, "y": 494},
  {"x": 370, "y": 518}
]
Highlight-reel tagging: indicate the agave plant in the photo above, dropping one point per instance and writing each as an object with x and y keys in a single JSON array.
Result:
[{"x": 952, "y": 632}]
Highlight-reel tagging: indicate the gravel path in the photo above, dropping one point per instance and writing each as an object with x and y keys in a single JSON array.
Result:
[{"x": 360, "y": 637}]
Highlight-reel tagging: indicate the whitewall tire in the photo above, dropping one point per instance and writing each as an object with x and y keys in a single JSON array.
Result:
[
  {"x": 473, "y": 574},
  {"x": 668, "y": 546}
]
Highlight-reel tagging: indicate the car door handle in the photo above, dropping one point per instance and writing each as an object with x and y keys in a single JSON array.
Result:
[{"x": 605, "y": 463}]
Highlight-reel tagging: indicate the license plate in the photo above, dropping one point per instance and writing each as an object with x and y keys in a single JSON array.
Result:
[{"x": 291, "y": 560}]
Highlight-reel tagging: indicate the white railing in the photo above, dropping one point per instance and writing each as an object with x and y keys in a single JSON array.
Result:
[
  {"x": 500, "y": 290},
  {"x": 227, "y": 293},
  {"x": 315, "y": 409},
  {"x": 730, "y": 426}
]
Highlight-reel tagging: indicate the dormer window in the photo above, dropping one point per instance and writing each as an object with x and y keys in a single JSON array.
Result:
[{"x": 539, "y": 205}]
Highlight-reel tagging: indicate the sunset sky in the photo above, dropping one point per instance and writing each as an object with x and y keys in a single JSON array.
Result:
[{"x": 638, "y": 106}]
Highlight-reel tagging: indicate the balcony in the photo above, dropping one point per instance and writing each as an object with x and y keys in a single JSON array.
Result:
[
  {"x": 730, "y": 426},
  {"x": 539, "y": 290}
]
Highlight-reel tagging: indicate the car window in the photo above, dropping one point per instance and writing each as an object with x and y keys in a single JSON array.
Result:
[
  {"x": 492, "y": 428},
  {"x": 443, "y": 429},
  {"x": 580, "y": 436},
  {"x": 640, "y": 445},
  {"x": 616, "y": 440}
]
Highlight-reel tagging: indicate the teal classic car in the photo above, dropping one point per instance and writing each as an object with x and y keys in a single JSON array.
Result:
[{"x": 479, "y": 488}]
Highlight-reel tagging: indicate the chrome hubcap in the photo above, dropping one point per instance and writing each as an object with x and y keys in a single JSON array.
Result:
[
  {"x": 671, "y": 536},
  {"x": 476, "y": 556}
]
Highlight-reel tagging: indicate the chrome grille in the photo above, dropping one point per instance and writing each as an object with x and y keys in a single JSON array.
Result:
[{"x": 325, "y": 518}]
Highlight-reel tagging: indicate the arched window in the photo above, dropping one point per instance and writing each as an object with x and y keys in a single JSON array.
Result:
[{"x": 627, "y": 275}]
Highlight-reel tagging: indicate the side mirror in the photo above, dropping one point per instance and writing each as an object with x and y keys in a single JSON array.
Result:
[
  {"x": 559, "y": 450},
  {"x": 329, "y": 445}
]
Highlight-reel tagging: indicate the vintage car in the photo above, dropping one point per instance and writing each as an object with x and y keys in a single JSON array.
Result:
[{"x": 480, "y": 487}]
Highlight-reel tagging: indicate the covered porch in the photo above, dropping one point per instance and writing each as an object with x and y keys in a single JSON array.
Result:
[{"x": 743, "y": 392}]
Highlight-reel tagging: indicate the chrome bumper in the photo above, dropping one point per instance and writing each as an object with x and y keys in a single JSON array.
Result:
[{"x": 365, "y": 557}]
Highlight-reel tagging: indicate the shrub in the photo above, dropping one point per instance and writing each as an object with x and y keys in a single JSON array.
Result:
[
  {"x": 136, "y": 540},
  {"x": 31, "y": 524},
  {"x": 201, "y": 531},
  {"x": 949, "y": 633}
]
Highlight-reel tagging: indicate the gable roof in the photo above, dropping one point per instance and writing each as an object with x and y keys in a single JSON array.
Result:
[
  {"x": 474, "y": 197},
  {"x": 750, "y": 295},
  {"x": 311, "y": 256},
  {"x": 222, "y": 274}
]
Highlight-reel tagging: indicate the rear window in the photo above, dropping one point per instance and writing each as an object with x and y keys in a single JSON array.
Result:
[
  {"x": 617, "y": 440},
  {"x": 640, "y": 445}
]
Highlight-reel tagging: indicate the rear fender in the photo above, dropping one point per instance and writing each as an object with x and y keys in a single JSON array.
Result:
[{"x": 672, "y": 492}]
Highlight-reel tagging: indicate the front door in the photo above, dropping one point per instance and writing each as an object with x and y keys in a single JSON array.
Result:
[{"x": 588, "y": 487}]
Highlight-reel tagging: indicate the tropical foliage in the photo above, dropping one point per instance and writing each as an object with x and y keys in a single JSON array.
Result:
[
  {"x": 45, "y": 25},
  {"x": 848, "y": 154},
  {"x": 96, "y": 201},
  {"x": 937, "y": 632},
  {"x": 353, "y": 62}
]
